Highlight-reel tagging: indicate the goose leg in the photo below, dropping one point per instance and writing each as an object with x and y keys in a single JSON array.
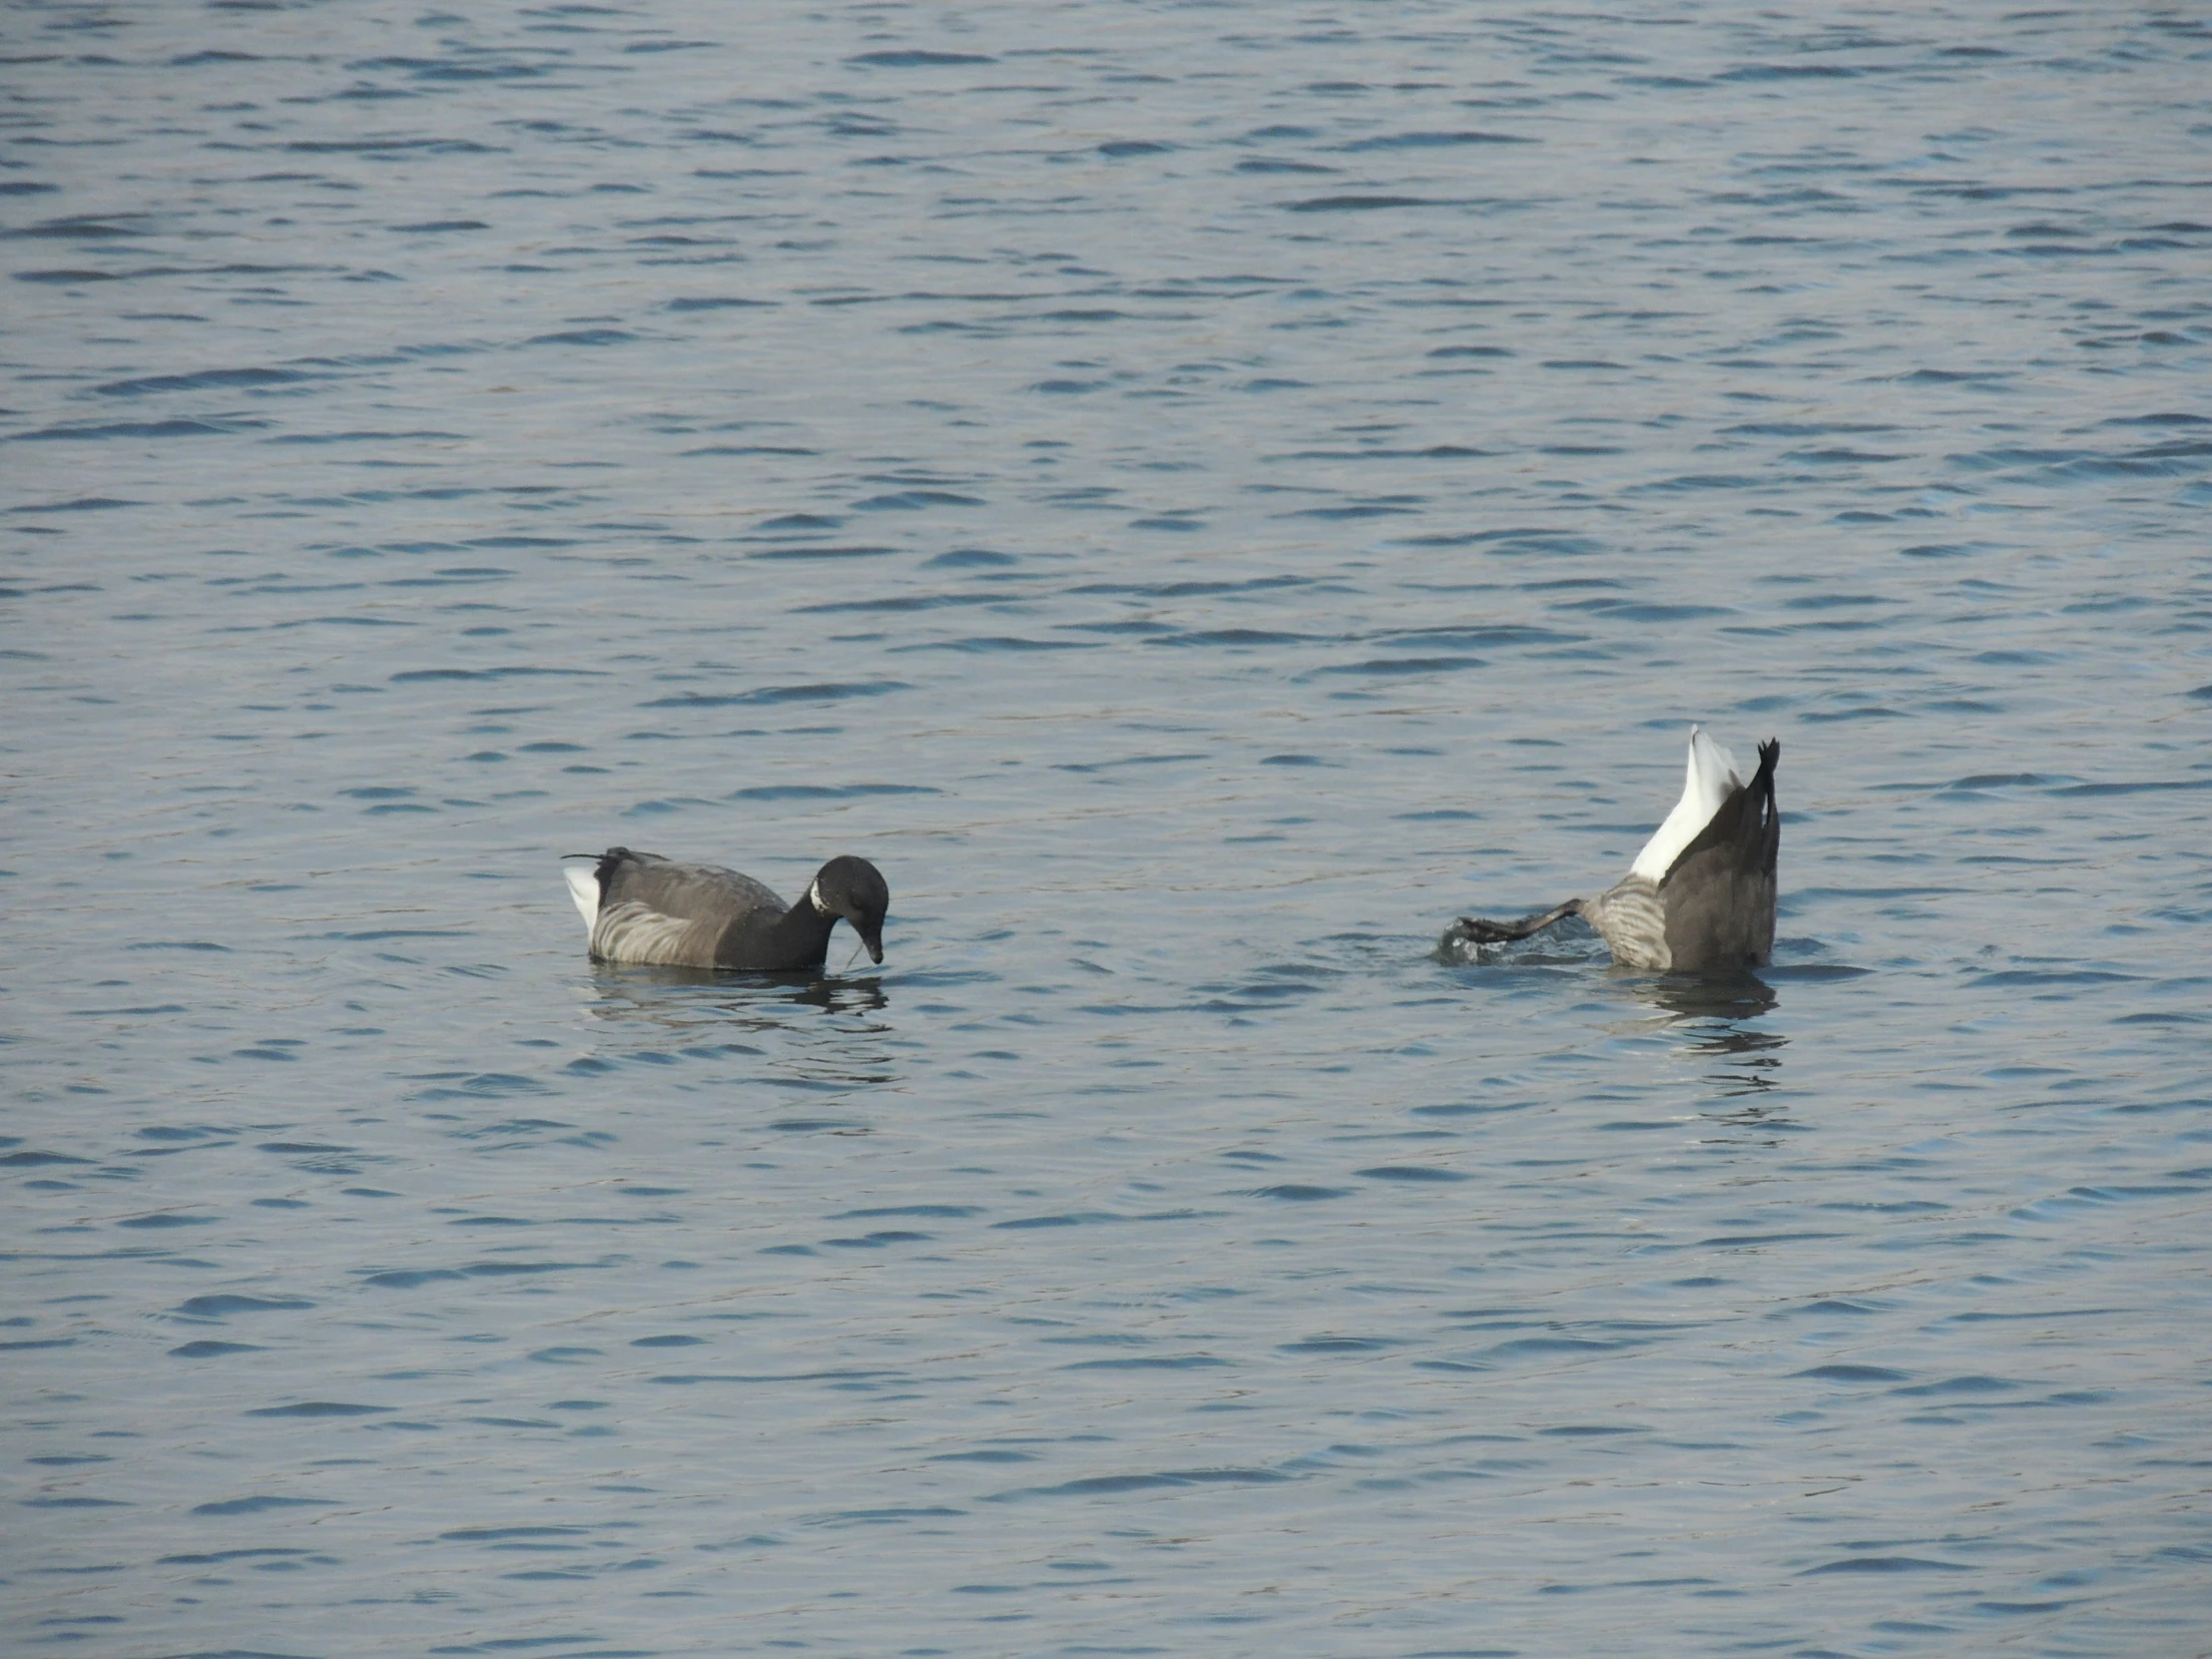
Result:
[{"x": 1482, "y": 931}]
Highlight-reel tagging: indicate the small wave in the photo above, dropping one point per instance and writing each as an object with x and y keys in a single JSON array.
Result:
[
  {"x": 1356, "y": 204},
  {"x": 825, "y": 691},
  {"x": 914, "y": 57}
]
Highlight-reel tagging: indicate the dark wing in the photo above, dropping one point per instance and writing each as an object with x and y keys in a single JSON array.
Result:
[
  {"x": 655, "y": 911},
  {"x": 688, "y": 891},
  {"x": 1720, "y": 892}
]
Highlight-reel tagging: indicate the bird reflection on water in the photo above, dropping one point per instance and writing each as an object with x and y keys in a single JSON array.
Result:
[
  {"x": 1713, "y": 1012},
  {"x": 653, "y": 1011},
  {"x": 1715, "y": 1015},
  {"x": 751, "y": 997}
]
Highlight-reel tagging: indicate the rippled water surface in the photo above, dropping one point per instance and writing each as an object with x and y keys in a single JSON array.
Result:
[{"x": 1201, "y": 495}]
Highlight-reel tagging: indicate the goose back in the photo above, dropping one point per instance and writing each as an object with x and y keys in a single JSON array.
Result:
[{"x": 657, "y": 912}]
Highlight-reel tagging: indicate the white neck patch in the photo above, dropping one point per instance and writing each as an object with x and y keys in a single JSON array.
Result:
[{"x": 813, "y": 897}]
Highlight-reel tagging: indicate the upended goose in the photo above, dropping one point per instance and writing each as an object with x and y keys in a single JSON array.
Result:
[
  {"x": 645, "y": 909},
  {"x": 1700, "y": 897}
]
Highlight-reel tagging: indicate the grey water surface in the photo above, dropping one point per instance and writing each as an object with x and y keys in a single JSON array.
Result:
[{"x": 1201, "y": 496}]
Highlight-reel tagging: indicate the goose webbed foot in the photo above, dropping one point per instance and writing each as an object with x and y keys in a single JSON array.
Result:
[{"x": 1472, "y": 932}]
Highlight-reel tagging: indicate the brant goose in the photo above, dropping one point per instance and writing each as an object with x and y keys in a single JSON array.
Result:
[
  {"x": 1700, "y": 897},
  {"x": 643, "y": 909}
]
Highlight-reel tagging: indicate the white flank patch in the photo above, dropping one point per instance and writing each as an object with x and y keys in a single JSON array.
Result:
[
  {"x": 1712, "y": 774},
  {"x": 583, "y": 886},
  {"x": 1634, "y": 924},
  {"x": 629, "y": 933}
]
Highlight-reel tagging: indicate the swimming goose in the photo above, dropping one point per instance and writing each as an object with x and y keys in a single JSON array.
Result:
[
  {"x": 1700, "y": 897},
  {"x": 643, "y": 909}
]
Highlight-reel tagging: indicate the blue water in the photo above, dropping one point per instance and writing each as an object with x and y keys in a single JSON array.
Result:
[{"x": 1200, "y": 496}]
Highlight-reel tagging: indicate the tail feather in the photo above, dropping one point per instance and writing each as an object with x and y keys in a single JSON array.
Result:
[{"x": 583, "y": 886}]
